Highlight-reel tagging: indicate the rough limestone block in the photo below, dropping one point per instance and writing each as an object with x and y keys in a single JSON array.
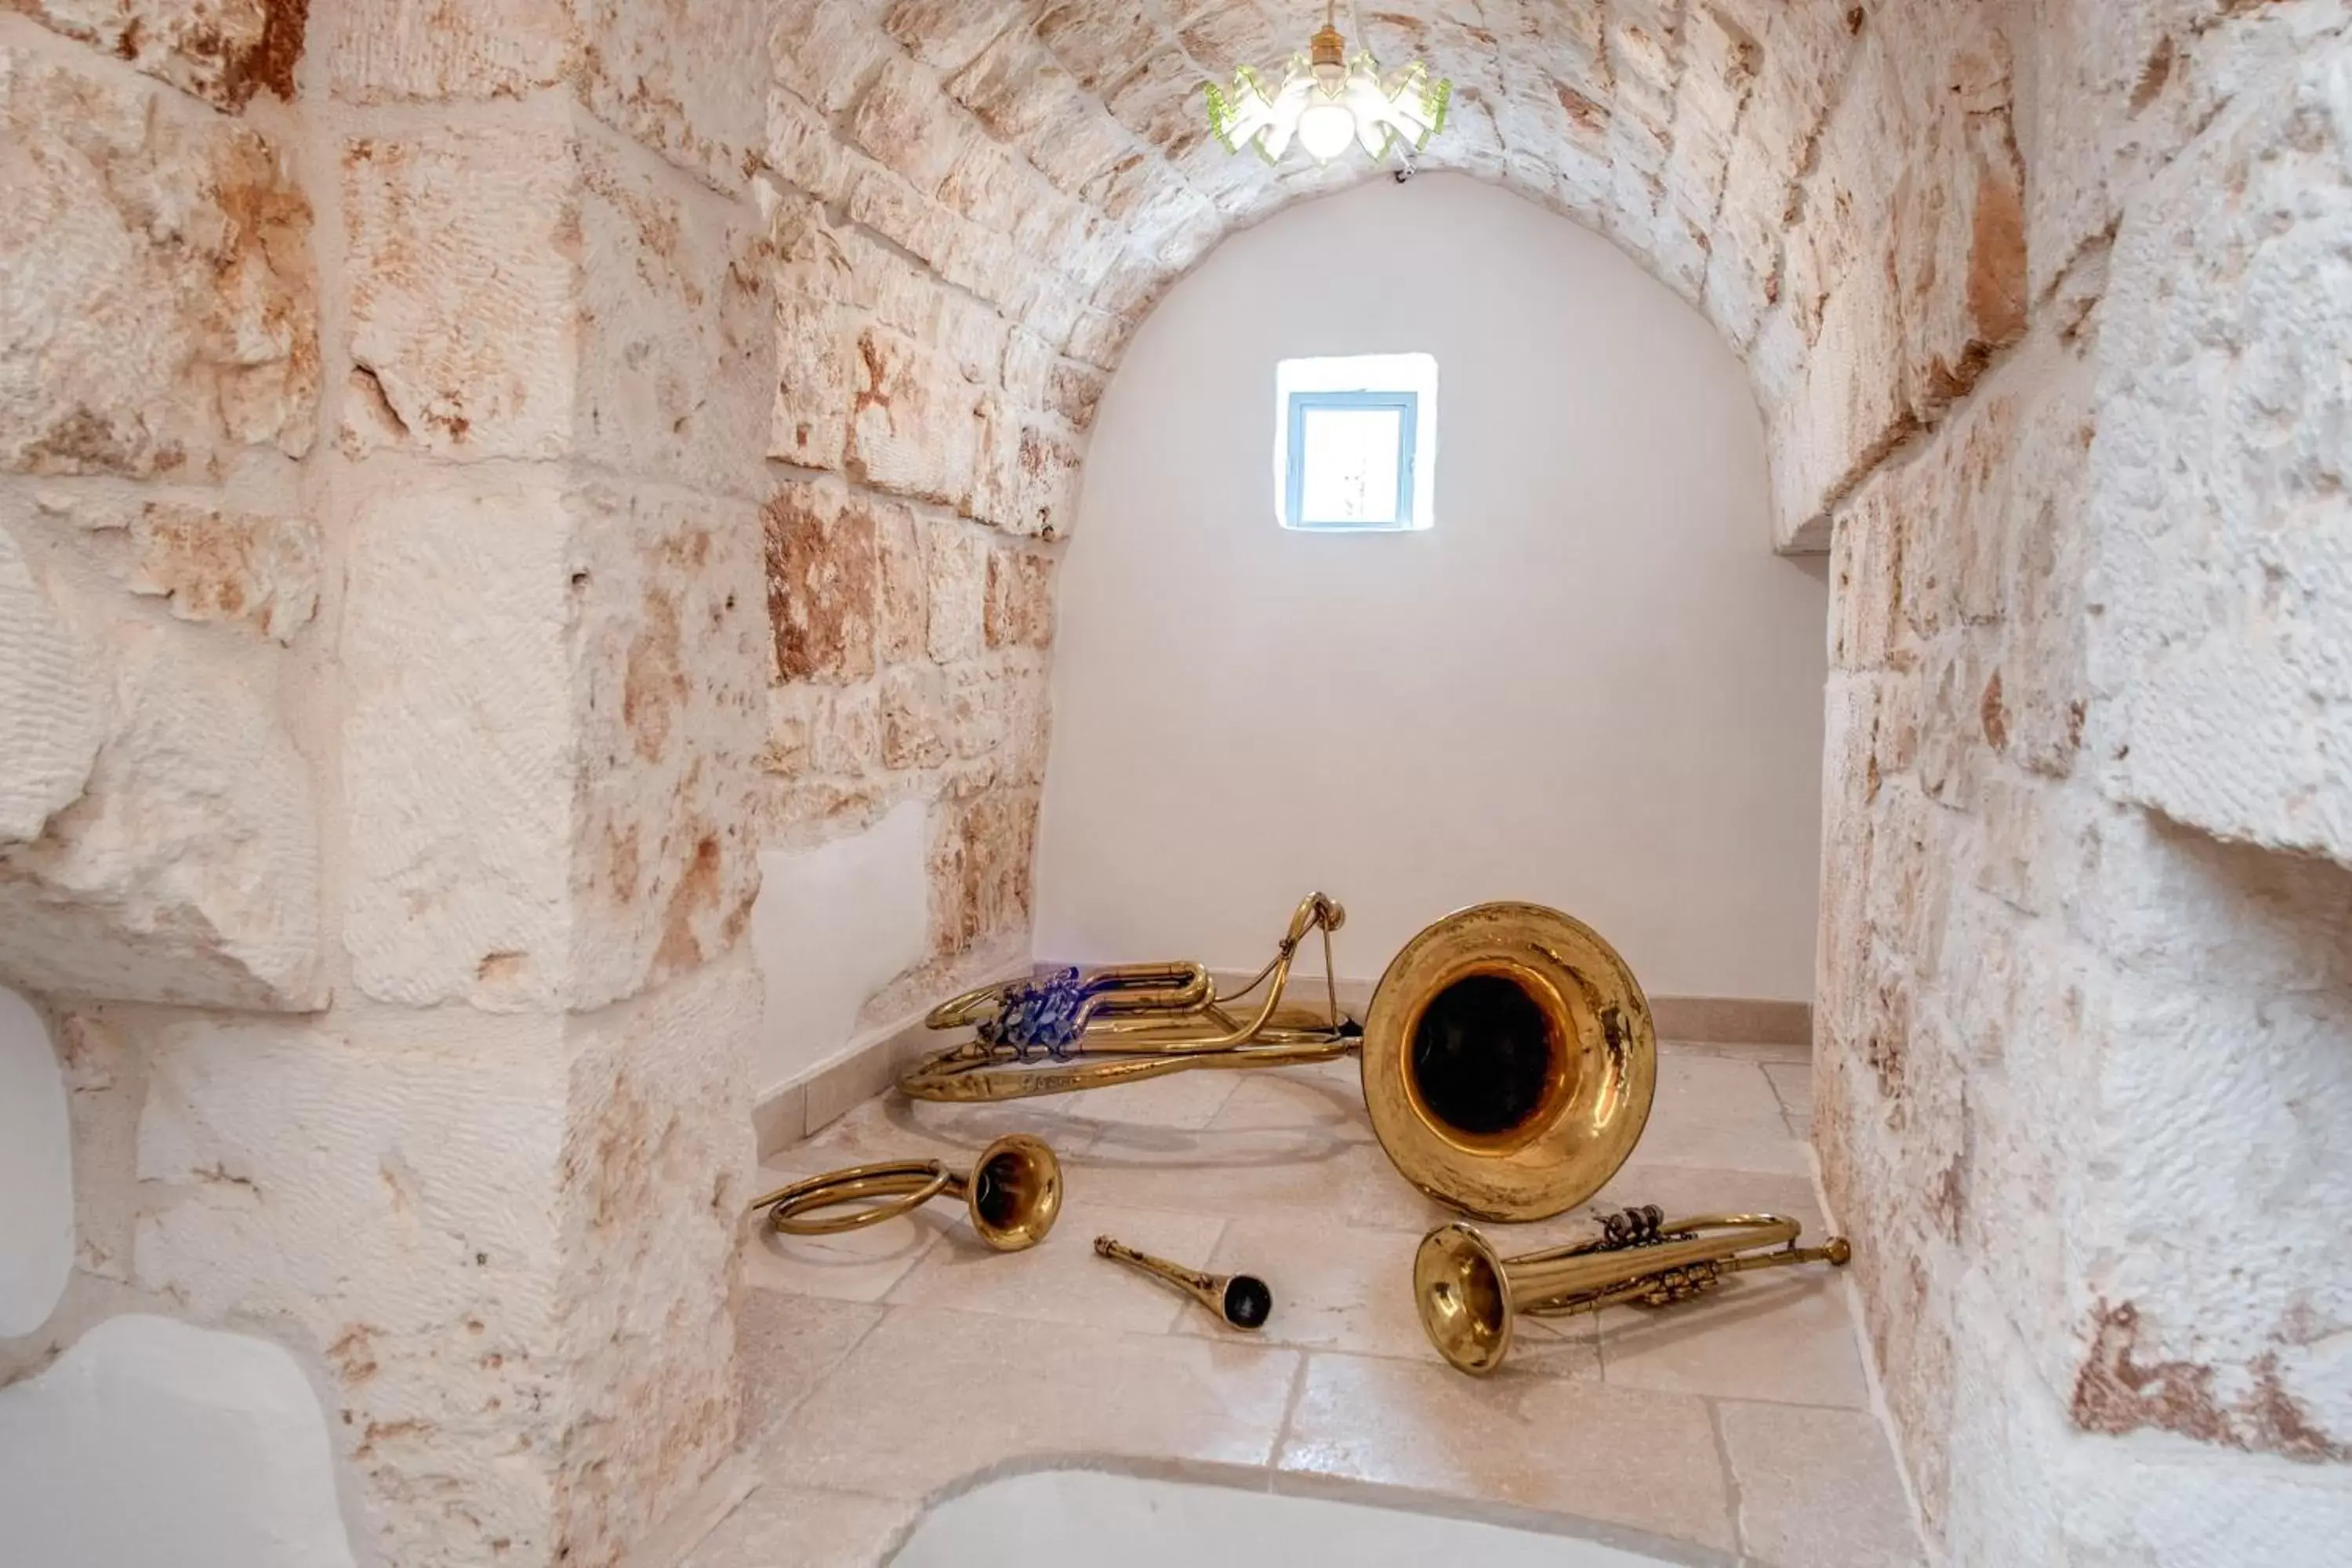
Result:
[
  {"x": 2221, "y": 532},
  {"x": 656, "y": 1162},
  {"x": 823, "y": 580},
  {"x": 2238, "y": 1355},
  {"x": 549, "y": 753},
  {"x": 384, "y": 51},
  {"x": 981, "y": 849},
  {"x": 1960, "y": 214},
  {"x": 904, "y": 623},
  {"x": 912, "y": 432},
  {"x": 223, "y": 51},
  {"x": 2122, "y": 84},
  {"x": 2028, "y": 1487},
  {"x": 53, "y": 707},
  {"x": 157, "y": 294},
  {"x": 1846, "y": 412},
  {"x": 809, "y": 423},
  {"x": 518, "y": 293},
  {"x": 670, "y": 647},
  {"x": 187, "y": 871},
  {"x": 458, "y": 745},
  {"x": 957, "y": 561},
  {"x": 464, "y": 266},
  {"x": 823, "y": 51},
  {"x": 846, "y": 731},
  {"x": 677, "y": 347},
  {"x": 211, "y": 564},
  {"x": 914, "y": 728},
  {"x": 686, "y": 78},
  {"x": 510, "y": 1241},
  {"x": 908, "y": 124},
  {"x": 1020, "y": 612}
]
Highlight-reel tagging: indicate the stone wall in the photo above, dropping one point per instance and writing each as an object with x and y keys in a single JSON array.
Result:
[
  {"x": 2083, "y": 1059},
  {"x": 381, "y": 674}
]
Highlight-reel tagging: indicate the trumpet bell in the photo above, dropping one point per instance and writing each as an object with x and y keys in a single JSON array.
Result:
[
  {"x": 1509, "y": 1061},
  {"x": 1016, "y": 1192},
  {"x": 1464, "y": 1300}
]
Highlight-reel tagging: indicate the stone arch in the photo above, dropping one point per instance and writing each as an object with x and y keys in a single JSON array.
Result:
[{"x": 1752, "y": 155}]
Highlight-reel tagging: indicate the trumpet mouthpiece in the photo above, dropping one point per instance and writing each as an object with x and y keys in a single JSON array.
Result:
[{"x": 1249, "y": 1301}]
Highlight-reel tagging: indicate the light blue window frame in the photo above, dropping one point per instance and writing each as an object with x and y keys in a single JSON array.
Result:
[{"x": 1407, "y": 406}]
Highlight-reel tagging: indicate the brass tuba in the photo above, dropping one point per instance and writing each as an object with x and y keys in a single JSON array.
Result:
[
  {"x": 1508, "y": 1056},
  {"x": 1470, "y": 1297}
]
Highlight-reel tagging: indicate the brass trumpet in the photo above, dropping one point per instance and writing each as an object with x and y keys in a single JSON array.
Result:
[
  {"x": 1243, "y": 1300},
  {"x": 1470, "y": 1297},
  {"x": 1508, "y": 1056},
  {"x": 1013, "y": 1194}
]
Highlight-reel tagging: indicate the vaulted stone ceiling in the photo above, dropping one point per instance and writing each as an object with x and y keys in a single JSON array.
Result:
[{"x": 1848, "y": 212}]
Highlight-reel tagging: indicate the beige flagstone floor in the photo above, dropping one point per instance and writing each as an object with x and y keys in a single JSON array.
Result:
[{"x": 893, "y": 1366}]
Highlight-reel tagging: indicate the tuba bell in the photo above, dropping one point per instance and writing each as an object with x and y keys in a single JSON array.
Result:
[
  {"x": 1508, "y": 1057},
  {"x": 1470, "y": 1297}
]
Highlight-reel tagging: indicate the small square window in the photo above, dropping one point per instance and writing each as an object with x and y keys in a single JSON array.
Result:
[{"x": 1354, "y": 441}]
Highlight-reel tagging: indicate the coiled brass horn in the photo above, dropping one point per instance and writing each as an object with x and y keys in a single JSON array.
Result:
[
  {"x": 1470, "y": 1297},
  {"x": 1508, "y": 1056},
  {"x": 1013, "y": 1194}
]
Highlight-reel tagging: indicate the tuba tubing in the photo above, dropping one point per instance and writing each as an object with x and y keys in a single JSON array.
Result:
[{"x": 1509, "y": 1060}]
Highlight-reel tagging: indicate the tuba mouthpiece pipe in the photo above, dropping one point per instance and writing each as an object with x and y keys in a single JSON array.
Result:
[{"x": 1239, "y": 1300}]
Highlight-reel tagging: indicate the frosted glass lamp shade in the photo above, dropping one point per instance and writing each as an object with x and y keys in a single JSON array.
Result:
[{"x": 1325, "y": 130}]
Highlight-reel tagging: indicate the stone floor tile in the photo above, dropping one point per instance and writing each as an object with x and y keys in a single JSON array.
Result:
[
  {"x": 1623, "y": 1455},
  {"x": 1335, "y": 1286},
  {"x": 800, "y": 1527},
  {"x": 931, "y": 1396},
  {"x": 1060, "y": 1280},
  {"x": 1781, "y": 1336},
  {"x": 1241, "y": 1171},
  {"x": 1818, "y": 1489},
  {"x": 1763, "y": 1146},
  {"x": 1793, "y": 1082},
  {"x": 1298, "y": 1099},
  {"x": 1187, "y": 1099},
  {"x": 787, "y": 1343},
  {"x": 1741, "y": 1050},
  {"x": 1715, "y": 1091}
]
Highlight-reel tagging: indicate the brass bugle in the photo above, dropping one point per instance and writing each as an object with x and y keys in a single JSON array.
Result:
[
  {"x": 1013, "y": 1194},
  {"x": 1508, "y": 1058},
  {"x": 1470, "y": 1297},
  {"x": 1242, "y": 1301}
]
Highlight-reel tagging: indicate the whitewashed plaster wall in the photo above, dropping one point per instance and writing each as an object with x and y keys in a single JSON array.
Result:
[
  {"x": 153, "y": 1442},
  {"x": 36, "y": 1223},
  {"x": 1592, "y": 684},
  {"x": 834, "y": 925}
]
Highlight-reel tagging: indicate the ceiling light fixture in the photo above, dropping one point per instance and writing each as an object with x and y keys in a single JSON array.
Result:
[{"x": 1327, "y": 103}]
